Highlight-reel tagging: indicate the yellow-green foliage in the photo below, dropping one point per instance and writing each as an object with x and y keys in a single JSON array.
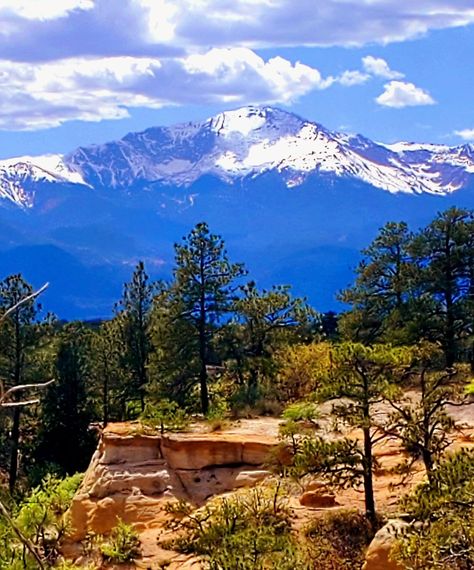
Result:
[
  {"x": 249, "y": 531},
  {"x": 123, "y": 544},
  {"x": 252, "y": 531},
  {"x": 165, "y": 416},
  {"x": 442, "y": 535},
  {"x": 299, "y": 369},
  {"x": 40, "y": 518}
]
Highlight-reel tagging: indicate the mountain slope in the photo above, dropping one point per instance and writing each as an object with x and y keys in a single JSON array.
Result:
[
  {"x": 292, "y": 200},
  {"x": 236, "y": 145}
]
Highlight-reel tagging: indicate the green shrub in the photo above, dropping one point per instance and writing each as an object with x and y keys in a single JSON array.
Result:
[
  {"x": 165, "y": 416},
  {"x": 123, "y": 544},
  {"x": 40, "y": 518},
  {"x": 249, "y": 531},
  {"x": 442, "y": 509},
  {"x": 302, "y": 412}
]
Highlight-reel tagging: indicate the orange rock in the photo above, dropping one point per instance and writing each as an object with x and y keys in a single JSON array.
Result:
[
  {"x": 378, "y": 556},
  {"x": 318, "y": 500},
  {"x": 132, "y": 476}
]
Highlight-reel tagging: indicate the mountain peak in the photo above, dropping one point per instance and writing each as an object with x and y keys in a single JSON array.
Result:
[
  {"x": 233, "y": 145},
  {"x": 245, "y": 120}
]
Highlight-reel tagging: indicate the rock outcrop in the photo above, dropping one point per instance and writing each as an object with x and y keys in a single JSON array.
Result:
[
  {"x": 379, "y": 553},
  {"x": 133, "y": 476}
]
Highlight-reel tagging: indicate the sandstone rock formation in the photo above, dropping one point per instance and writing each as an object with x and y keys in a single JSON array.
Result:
[{"x": 133, "y": 476}]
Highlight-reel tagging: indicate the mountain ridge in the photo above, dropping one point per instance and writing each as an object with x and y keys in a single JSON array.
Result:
[
  {"x": 238, "y": 144},
  {"x": 81, "y": 221}
]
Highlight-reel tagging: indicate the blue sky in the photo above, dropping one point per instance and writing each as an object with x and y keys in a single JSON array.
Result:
[{"x": 77, "y": 72}]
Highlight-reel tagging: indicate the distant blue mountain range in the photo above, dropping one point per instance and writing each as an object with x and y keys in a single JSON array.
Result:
[{"x": 293, "y": 201}]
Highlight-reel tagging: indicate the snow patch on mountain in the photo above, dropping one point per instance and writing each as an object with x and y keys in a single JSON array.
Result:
[
  {"x": 243, "y": 143},
  {"x": 19, "y": 175}
]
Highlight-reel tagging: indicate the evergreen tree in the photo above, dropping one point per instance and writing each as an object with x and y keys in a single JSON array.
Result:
[
  {"x": 202, "y": 293},
  {"x": 359, "y": 379},
  {"x": 383, "y": 290},
  {"x": 444, "y": 250},
  {"x": 134, "y": 310},
  {"x": 268, "y": 319},
  {"x": 64, "y": 437},
  {"x": 111, "y": 379},
  {"x": 422, "y": 422},
  {"x": 174, "y": 362}
]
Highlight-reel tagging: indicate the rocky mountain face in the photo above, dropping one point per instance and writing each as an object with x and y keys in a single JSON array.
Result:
[
  {"x": 234, "y": 145},
  {"x": 292, "y": 199}
]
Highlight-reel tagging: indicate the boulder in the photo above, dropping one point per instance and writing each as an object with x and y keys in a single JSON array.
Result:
[
  {"x": 132, "y": 476},
  {"x": 318, "y": 499},
  {"x": 378, "y": 555}
]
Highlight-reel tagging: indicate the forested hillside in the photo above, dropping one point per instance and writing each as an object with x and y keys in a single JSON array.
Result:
[{"x": 211, "y": 346}]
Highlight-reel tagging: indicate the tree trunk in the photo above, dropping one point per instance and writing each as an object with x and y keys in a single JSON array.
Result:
[
  {"x": 105, "y": 402},
  {"x": 13, "y": 471},
  {"x": 368, "y": 481},
  {"x": 203, "y": 359}
]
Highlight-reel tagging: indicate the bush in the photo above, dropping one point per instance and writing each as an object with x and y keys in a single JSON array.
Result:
[
  {"x": 165, "y": 416},
  {"x": 338, "y": 540},
  {"x": 442, "y": 509},
  {"x": 40, "y": 518},
  {"x": 249, "y": 531},
  {"x": 123, "y": 544}
]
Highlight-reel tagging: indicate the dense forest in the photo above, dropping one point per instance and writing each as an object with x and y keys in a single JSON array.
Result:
[{"x": 210, "y": 344}]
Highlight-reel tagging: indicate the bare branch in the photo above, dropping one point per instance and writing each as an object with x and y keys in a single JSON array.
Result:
[
  {"x": 19, "y": 404},
  {"x": 23, "y": 301},
  {"x": 21, "y": 387}
]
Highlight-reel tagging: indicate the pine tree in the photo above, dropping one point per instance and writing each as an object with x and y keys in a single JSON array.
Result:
[
  {"x": 134, "y": 310},
  {"x": 202, "y": 293},
  {"x": 359, "y": 379},
  {"x": 268, "y": 319},
  {"x": 64, "y": 437},
  {"x": 111, "y": 379},
  {"x": 445, "y": 251},
  {"x": 383, "y": 290}
]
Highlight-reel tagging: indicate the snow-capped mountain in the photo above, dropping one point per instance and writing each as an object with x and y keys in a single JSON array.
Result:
[
  {"x": 294, "y": 201},
  {"x": 237, "y": 145},
  {"x": 20, "y": 176}
]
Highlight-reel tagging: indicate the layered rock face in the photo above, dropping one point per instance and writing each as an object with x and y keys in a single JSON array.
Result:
[{"x": 133, "y": 476}]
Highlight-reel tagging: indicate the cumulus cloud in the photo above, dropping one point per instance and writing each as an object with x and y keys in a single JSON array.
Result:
[
  {"x": 399, "y": 94},
  {"x": 465, "y": 134},
  {"x": 40, "y": 96},
  {"x": 380, "y": 68},
  {"x": 332, "y": 22},
  {"x": 93, "y": 59},
  {"x": 48, "y": 29},
  {"x": 42, "y": 9},
  {"x": 350, "y": 78}
]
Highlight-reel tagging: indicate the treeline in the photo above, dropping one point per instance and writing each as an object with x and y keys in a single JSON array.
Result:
[
  {"x": 210, "y": 339},
  {"x": 417, "y": 285}
]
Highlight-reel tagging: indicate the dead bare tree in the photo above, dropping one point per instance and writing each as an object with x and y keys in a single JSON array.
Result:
[{"x": 5, "y": 402}]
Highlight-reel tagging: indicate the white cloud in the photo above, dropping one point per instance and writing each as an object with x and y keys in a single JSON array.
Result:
[
  {"x": 350, "y": 78},
  {"x": 399, "y": 94},
  {"x": 42, "y": 9},
  {"x": 58, "y": 58},
  {"x": 380, "y": 68},
  {"x": 258, "y": 23},
  {"x": 40, "y": 96},
  {"x": 465, "y": 134},
  {"x": 49, "y": 29}
]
